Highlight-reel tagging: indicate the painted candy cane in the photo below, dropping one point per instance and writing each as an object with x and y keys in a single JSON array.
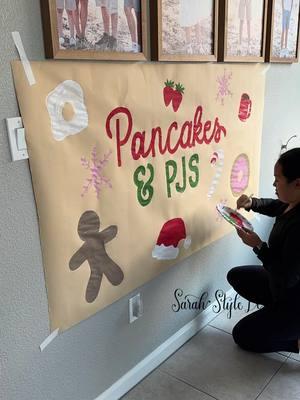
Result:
[{"x": 217, "y": 160}]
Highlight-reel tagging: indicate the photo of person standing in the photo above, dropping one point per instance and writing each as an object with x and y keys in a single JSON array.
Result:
[
  {"x": 109, "y": 12},
  {"x": 132, "y": 9},
  {"x": 285, "y": 31},
  {"x": 100, "y": 26},
  {"x": 189, "y": 18},
  {"x": 81, "y": 14},
  {"x": 70, "y": 7},
  {"x": 287, "y": 6},
  {"x": 245, "y": 14},
  {"x": 245, "y": 28}
]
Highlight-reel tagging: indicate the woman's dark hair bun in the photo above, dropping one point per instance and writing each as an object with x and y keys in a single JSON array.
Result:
[{"x": 290, "y": 164}]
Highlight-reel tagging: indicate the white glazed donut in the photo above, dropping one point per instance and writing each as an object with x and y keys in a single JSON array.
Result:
[
  {"x": 66, "y": 92},
  {"x": 239, "y": 178}
]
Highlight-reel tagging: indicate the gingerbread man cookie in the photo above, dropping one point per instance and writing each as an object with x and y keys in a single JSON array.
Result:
[{"x": 93, "y": 250}]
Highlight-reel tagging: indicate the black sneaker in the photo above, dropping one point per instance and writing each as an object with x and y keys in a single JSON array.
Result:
[
  {"x": 103, "y": 41},
  {"x": 85, "y": 44},
  {"x": 112, "y": 44}
]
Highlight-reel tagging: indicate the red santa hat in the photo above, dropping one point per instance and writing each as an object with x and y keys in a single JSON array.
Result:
[{"x": 171, "y": 233}]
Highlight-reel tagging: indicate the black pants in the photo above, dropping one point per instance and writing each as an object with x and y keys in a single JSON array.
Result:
[{"x": 275, "y": 327}]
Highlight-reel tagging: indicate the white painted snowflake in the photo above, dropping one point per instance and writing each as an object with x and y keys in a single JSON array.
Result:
[
  {"x": 95, "y": 166},
  {"x": 223, "y": 86}
]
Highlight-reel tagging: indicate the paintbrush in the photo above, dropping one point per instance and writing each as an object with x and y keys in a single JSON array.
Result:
[{"x": 249, "y": 197}]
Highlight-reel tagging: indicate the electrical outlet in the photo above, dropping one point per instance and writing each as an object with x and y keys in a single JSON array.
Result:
[{"x": 135, "y": 308}]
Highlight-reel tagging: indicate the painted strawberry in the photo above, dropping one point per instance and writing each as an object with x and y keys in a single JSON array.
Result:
[
  {"x": 168, "y": 92},
  {"x": 177, "y": 96}
]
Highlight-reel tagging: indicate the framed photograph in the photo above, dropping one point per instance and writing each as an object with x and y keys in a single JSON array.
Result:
[
  {"x": 243, "y": 27},
  {"x": 184, "y": 30},
  {"x": 95, "y": 29},
  {"x": 283, "y": 31}
]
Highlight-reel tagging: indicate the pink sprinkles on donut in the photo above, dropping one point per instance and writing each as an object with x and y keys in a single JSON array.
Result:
[{"x": 239, "y": 178}]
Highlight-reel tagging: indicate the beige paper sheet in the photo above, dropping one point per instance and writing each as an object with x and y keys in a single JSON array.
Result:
[{"x": 109, "y": 145}]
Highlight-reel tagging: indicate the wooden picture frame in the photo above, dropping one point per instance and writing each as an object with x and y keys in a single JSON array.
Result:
[
  {"x": 242, "y": 32},
  {"x": 187, "y": 32},
  {"x": 283, "y": 44},
  {"x": 95, "y": 45}
]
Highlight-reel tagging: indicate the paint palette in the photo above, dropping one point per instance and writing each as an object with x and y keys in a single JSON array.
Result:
[{"x": 234, "y": 217}]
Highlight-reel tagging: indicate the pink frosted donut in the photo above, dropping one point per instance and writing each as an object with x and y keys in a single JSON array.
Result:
[{"x": 239, "y": 178}]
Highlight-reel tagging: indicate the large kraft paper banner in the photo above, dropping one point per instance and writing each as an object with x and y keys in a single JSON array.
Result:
[{"x": 127, "y": 171}]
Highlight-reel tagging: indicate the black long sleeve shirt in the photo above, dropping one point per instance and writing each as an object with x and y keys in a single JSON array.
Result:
[{"x": 281, "y": 255}]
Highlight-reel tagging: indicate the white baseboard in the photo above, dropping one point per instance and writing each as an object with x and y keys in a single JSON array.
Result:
[{"x": 160, "y": 354}]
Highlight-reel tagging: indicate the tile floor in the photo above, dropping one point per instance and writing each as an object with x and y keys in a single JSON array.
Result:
[{"x": 210, "y": 366}]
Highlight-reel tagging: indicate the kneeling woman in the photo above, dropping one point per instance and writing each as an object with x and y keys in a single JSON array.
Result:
[{"x": 275, "y": 284}]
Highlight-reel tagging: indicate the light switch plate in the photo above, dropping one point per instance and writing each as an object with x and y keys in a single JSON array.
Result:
[{"x": 16, "y": 140}]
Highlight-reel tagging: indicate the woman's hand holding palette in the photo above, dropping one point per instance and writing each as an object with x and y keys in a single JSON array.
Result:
[{"x": 234, "y": 217}]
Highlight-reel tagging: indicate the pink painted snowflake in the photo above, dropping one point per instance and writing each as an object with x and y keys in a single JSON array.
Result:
[
  {"x": 223, "y": 86},
  {"x": 95, "y": 166}
]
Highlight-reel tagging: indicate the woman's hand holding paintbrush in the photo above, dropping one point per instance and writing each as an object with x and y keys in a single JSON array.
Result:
[{"x": 244, "y": 201}]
